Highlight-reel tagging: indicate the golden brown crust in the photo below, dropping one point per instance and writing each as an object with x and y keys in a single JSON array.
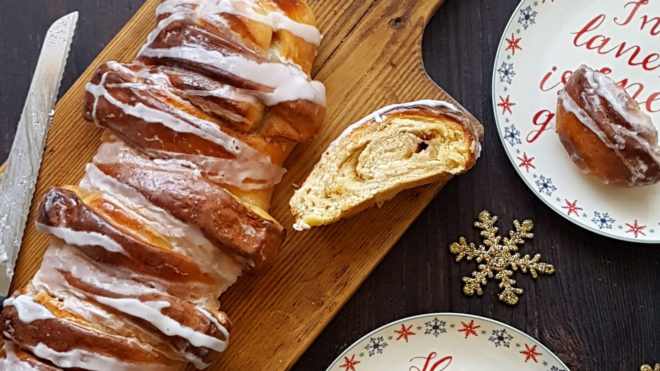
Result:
[
  {"x": 254, "y": 36},
  {"x": 222, "y": 217},
  {"x": 139, "y": 132},
  {"x": 179, "y": 310},
  {"x": 209, "y": 129},
  {"x": 602, "y": 142},
  {"x": 588, "y": 152},
  {"x": 297, "y": 10},
  {"x": 135, "y": 333},
  {"x": 25, "y": 358},
  {"x": 63, "y": 336},
  {"x": 272, "y": 131},
  {"x": 64, "y": 208},
  {"x": 472, "y": 128}
]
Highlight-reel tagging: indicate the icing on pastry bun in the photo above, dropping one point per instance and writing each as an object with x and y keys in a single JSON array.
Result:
[{"x": 605, "y": 132}]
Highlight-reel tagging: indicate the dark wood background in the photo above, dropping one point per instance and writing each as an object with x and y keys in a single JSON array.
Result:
[{"x": 601, "y": 311}]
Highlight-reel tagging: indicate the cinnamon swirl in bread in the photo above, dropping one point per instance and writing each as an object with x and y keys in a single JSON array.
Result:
[
  {"x": 393, "y": 149},
  {"x": 174, "y": 207},
  {"x": 605, "y": 131}
]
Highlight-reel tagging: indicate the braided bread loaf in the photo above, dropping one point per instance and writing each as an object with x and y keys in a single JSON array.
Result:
[{"x": 173, "y": 208}]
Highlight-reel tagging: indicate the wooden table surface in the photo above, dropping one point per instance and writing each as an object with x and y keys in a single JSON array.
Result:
[{"x": 600, "y": 311}]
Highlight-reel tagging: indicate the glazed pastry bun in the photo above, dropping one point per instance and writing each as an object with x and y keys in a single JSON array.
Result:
[
  {"x": 393, "y": 149},
  {"x": 605, "y": 132}
]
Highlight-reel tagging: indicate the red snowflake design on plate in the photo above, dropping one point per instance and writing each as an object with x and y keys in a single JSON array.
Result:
[
  {"x": 404, "y": 332},
  {"x": 530, "y": 353},
  {"x": 506, "y": 104},
  {"x": 636, "y": 229},
  {"x": 572, "y": 208},
  {"x": 349, "y": 364},
  {"x": 469, "y": 329},
  {"x": 513, "y": 44},
  {"x": 526, "y": 162}
]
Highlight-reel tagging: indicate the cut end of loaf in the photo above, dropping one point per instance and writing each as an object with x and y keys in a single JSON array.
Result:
[{"x": 394, "y": 149}]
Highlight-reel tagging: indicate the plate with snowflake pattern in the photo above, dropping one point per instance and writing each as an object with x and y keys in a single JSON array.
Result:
[
  {"x": 543, "y": 42},
  {"x": 447, "y": 342}
]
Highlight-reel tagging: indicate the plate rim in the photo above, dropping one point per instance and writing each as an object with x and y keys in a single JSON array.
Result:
[
  {"x": 446, "y": 314},
  {"x": 512, "y": 160}
]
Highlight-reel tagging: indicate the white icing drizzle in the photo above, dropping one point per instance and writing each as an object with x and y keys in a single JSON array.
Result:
[
  {"x": 203, "y": 128},
  {"x": 223, "y": 92},
  {"x": 288, "y": 82},
  {"x": 117, "y": 152},
  {"x": 215, "y": 321},
  {"x": 11, "y": 361},
  {"x": 195, "y": 360},
  {"x": 81, "y": 238},
  {"x": 52, "y": 282},
  {"x": 380, "y": 115},
  {"x": 249, "y": 170},
  {"x": 620, "y": 102},
  {"x": 606, "y": 88},
  {"x": 185, "y": 238},
  {"x": 63, "y": 258},
  {"x": 28, "y": 309},
  {"x": 209, "y": 10},
  {"x": 229, "y": 115},
  {"x": 89, "y": 360},
  {"x": 248, "y": 164},
  {"x": 67, "y": 259},
  {"x": 88, "y": 310},
  {"x": 226, "y": 92},
  {"x": 301, "y": 226},
  {"x": 287, "y": 79},
  {"x": 217, "y": 170},
  {"x": 151, "y": 311}
]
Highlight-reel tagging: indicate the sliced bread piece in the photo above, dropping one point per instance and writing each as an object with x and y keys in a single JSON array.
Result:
[{"x": 395, "y": 148}]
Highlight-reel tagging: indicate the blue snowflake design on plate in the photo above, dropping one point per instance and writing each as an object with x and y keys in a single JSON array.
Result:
[
  {"x": 435, "y": 327},
  {"x": 501, "y": 338},
  {"x": 506, "y": 72},
  {"x": 603, "y": 220},
  {"x": 508, "y": 339},
  {"x": 545, "y": 185},
  {"x": 512, "y": 135},
  {"x": 527, "y": 17},
  {"x": 376, "y": 345},
  {"x": 524, "y": 23}
]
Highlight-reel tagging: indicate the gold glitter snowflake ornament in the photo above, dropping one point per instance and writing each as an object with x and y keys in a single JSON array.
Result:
[
  {"x": 649, "y": 368},
  {"x": 499, "y": 258}
]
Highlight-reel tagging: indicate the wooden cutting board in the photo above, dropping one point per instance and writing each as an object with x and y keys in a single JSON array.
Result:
[{"x": 370, "y": 57}]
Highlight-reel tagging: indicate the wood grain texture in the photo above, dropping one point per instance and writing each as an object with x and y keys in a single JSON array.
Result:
[{"x": 601, "y": 311}]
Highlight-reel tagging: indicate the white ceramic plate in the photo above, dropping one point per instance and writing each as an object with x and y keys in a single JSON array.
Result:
[
  {"x": 543, "y": 40},
  {"x": 449, "y": 342}
]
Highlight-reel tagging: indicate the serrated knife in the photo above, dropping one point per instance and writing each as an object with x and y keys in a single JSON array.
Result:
[{"x": 19, "y": 179}]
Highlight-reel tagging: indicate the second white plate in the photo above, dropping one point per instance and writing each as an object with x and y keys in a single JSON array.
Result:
[{"x": 449, "y": 342}]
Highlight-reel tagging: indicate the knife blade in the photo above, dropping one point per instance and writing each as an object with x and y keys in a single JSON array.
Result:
[{"x": 19, "y": 179}]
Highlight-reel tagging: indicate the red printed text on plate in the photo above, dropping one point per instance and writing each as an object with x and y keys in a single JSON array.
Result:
[{"x": 430, "y": 364}]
